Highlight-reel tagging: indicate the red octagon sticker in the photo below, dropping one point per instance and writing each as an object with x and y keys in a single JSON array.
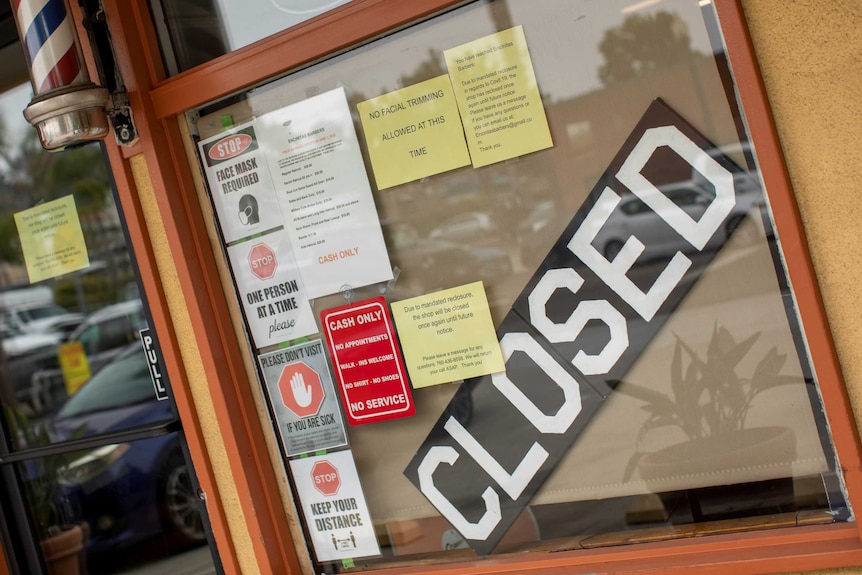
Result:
[
  {"x": 325, "y": 477},
  {"x": 301, "y": 389},
  {"x": 230, "y": 147},
  {"x": 262, "y": 262}
]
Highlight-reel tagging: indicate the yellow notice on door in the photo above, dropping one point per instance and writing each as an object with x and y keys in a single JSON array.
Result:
[
  {"x": 496, "y": 90},
  {"x": 413, "y": 132},
  {"x": 52, "y": 239},
  {"x": 448, "y": 335},
  {"x": 74, "y": 365}
]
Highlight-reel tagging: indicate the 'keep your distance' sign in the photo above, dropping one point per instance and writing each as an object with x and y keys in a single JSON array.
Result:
[
  {"x": 334, "y": 506},
  {"x": 480, "y": 473}
]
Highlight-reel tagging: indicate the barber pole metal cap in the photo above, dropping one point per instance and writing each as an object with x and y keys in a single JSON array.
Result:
[
  {"x": 67, "y": 109},
  {"x": 69, "y": 116}
]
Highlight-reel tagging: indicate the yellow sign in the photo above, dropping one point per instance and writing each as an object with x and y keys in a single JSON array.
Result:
[
  {"x": 414, "y": 132},
  {"x": 496, "y": 90},
  {"x": 52, "y": 239},
  {"x": 74, "y": 365},
  {"x": 448, "y": 335}
]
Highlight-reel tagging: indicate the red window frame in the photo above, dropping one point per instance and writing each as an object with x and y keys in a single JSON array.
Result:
[{"x": 158, "y": 103}]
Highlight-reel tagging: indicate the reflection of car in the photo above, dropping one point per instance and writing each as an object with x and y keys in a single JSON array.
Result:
[
  {"x": 693, "y": 193},
  {"x": 441, "y": 264},
  {"x": 24, "y": 354},
  {"x": 491, "y": 262},
  {"x": 41, "y": 318},
  {"x": 128, "y": 491},
  {"x": 103, "y": 334},
  {"x": 106, "y": 332},
  {"x": 466, "y": 226},
  {"x": 632, "y": 217},
  {"x": 540, "y": 229},
  {"x": 17, "y": 343}
]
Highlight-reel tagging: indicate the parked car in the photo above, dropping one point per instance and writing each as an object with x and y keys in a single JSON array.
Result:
[
  {"x": 540, "y": 229},
  {"x": 103, "y": 334},
  {"x": 469, "y": 226},
  {"x": 632, "y": 217},
  {"x": 23, "y": 354},
  {"x": 106, "y": 332},
  {"x": 437, "y": 264},
  {"x": 41, "y": 318},
  {"x": 126, "y": 492},
  {"x": 16, "y": 343},
  {"x": 693, "y": 193}
]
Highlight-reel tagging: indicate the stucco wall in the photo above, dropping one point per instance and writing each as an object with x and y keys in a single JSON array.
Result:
[{"x": 810, "y": 54}]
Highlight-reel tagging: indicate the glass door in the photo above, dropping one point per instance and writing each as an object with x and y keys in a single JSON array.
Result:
[{"x": 94, "y": 472}]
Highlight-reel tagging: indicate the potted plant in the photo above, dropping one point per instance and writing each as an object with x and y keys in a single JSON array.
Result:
[
  {"x": 61, "y": 540},
  {"x": 710, "y": 403}
]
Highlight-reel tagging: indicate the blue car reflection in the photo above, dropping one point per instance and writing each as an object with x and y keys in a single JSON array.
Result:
[{"x": 126, "y": 492}]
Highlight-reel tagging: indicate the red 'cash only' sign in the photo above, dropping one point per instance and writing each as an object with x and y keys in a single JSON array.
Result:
[{"x": 368, "y": 365}]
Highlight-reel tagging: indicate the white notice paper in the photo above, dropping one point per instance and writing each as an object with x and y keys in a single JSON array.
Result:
[
  {"x": 275, "y": 302},
  {"x": 322, "y": 187},
  {"x": 334, "y": 507}
]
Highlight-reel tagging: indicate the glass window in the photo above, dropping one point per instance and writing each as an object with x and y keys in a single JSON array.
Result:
[
  {"x": 656, "y": 381},
  {"x": 122, "y": 383},
  {"x": 93, "y": 467},
  {"x": 193, "y": 32},
  {"x": 89, "y": 505}
]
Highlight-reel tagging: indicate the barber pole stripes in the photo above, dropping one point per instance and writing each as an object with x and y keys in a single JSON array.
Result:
[{"x": 49, "y": 42}]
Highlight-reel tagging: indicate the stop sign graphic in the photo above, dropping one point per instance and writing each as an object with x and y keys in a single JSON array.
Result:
[
  {"x": 261, "y": 261},
  {"x": 325, "y": 478},
  {"x": 301, "y": 389}
]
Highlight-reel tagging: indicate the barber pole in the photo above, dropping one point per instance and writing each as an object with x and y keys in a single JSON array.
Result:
[
  {"x": 67, "y": 109},
  {"x": 50, "y": 44}
]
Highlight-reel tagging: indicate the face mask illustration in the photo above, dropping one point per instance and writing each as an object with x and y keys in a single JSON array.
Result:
[{"x": 248, "y": 214}]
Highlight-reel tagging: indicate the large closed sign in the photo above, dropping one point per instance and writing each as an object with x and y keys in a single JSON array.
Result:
[{"x": 503, "y": 434}]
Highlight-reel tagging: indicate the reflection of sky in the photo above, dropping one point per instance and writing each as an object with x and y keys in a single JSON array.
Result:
[
  {"x": 15, "y": 127},
  {"x": 248, "y": 21},
  {"x": 589, "y": 25},
  {"x": 12, "y": 104},
  {"x": 587, "y": 21},
  {"x": 251, "y": 20}
]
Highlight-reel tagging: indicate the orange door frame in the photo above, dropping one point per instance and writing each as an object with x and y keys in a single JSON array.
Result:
[{"x": 156, "y": 101}]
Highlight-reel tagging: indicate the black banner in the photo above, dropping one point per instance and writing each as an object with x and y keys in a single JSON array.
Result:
[{"x": 586, "y": 315}]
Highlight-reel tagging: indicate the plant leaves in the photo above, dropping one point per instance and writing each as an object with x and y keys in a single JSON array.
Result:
[
  {"x": 765, "y": 383},
  {"x": 735, "y": 354},
  {"x": 676, "y": 381},
  {"x": 632, "y": 465},
  {"x": 645, "y": 394},
  {"x": 770, "y": 365}
]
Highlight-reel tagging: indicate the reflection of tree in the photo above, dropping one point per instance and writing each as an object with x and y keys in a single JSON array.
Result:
[
  {"x": 30, "y": 176},
  {"x": 44, "y": 177},
  {"x": 431, "y": 67},
  {"x": 642, "y": 44}
]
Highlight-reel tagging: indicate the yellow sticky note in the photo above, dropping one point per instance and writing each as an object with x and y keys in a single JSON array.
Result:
[
  {"x": 414, "y": 132},
  {"x": 52, "y": 239},
  {"x": 448, "y": 335},
  {"x": 496, "y": 90},
  {"x": 74, "y": 365}
]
